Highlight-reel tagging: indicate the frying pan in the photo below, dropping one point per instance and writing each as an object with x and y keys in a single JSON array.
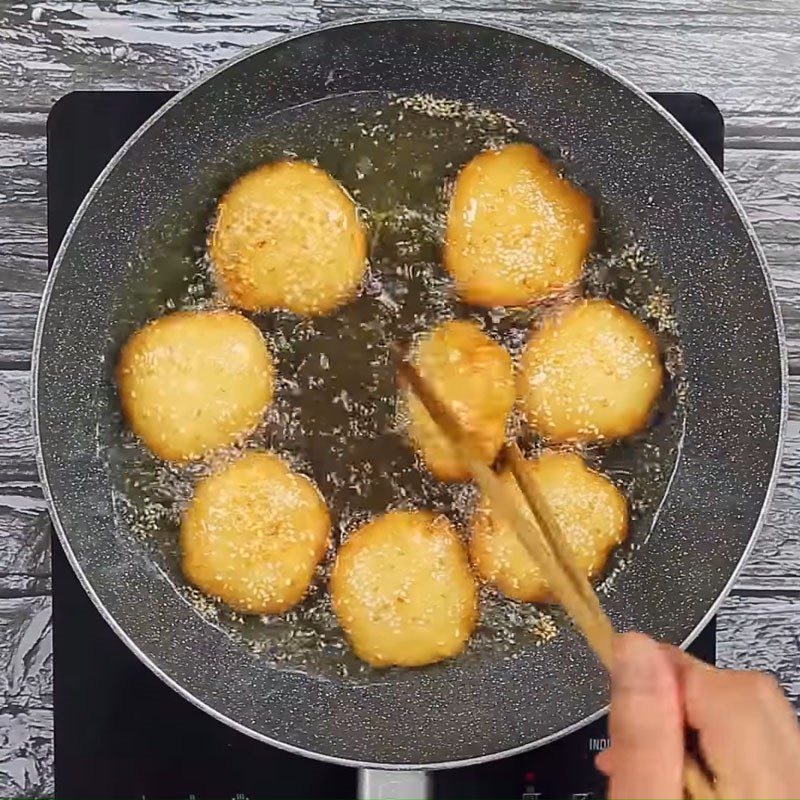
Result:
[{"x": 649, "y": 178}]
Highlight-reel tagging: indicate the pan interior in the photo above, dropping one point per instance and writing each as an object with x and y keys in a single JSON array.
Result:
[{"x": 336, "y": 416}]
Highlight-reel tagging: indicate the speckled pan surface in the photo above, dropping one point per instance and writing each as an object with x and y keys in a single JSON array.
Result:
[{"x": 651, "y": 178}]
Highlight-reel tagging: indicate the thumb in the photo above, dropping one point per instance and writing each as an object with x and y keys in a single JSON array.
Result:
[{"x": 645, "y": 722}]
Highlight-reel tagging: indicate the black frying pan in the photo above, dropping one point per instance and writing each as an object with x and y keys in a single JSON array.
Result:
[{"x": 134, "y": 242}]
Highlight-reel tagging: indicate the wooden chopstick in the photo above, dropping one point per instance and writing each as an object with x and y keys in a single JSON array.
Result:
[
  {"x": 604, "y": 638},
  {"x": 539, "y": 532},
  {"x": 696, "y": 783},
  {"x": 505, "y": 505}
]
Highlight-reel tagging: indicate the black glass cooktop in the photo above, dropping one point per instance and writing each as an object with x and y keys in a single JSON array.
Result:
[{"x": 119, "y": 731}]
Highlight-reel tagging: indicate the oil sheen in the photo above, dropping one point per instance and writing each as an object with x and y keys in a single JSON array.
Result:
[{"x": 335, "y": 416}]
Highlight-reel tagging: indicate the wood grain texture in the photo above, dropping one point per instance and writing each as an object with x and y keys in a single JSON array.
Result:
[
  {"x": 17, "y": 452},
  {"x": 742, "y": 53},
  {"x": 736, "y": 54}
]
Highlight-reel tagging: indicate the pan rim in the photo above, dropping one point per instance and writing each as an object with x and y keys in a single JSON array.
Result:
[{"x": 280, "y": 40}]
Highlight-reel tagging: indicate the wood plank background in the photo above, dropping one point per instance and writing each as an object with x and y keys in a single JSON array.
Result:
[{"x": 744, "y": 54}]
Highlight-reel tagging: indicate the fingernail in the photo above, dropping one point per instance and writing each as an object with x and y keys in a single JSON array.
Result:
[{"x": 638, "y": 663}]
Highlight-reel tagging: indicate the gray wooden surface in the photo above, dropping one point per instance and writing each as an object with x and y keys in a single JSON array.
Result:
[{"x": 745, "y": 54}]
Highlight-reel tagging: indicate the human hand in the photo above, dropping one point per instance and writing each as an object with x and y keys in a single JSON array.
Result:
[{"x": 747, "y": 731}]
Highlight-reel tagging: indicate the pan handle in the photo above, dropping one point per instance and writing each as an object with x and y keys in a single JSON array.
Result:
[{"x": 389, "y": 784}]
